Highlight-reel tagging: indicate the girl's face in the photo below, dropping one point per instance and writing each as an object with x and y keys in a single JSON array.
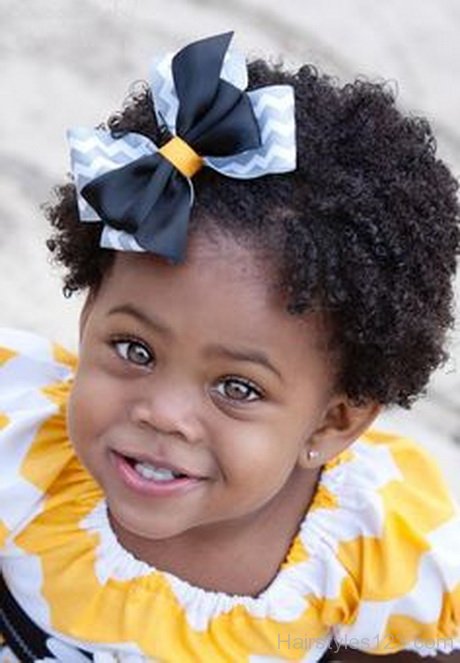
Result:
[{"x": 195, "y": 368}]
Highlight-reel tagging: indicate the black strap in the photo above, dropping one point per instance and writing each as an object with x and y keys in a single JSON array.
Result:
[{"x": 26, "y": 640}]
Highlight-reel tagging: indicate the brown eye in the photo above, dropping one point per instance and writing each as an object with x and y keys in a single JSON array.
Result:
[
  {"x": 134, "y": 352},
  {"x": 238, "y": 390}
]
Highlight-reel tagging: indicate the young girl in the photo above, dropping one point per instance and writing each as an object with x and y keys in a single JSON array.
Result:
[{"x": 269, "y": 265}]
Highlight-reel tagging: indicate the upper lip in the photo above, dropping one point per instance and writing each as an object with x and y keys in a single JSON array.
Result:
[{"x": 158, "y": 462}]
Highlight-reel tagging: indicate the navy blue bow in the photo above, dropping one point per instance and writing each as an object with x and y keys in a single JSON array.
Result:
[{"x": 149, "y": 197}]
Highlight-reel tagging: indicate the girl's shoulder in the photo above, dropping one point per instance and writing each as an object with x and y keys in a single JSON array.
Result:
[
  {"x": 35, "y": 378},
  {"x": 391, "y": 495},
  {"x": 399, "y": 473},
  {"x": 395, "y": 529},
  {"x": 32, "y": 359}
]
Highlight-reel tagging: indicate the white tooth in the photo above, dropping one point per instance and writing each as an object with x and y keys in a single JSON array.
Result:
[{"x": 148, "y": 471}]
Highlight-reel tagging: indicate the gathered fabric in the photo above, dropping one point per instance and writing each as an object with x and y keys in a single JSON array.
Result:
[{"x": 374, "y": 564}]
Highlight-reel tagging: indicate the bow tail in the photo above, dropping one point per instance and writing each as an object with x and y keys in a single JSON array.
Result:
[
  {"x": 148, "y": 199},
  {"x": 118, "y": 196},
  {"x": 164, "y": 228}
]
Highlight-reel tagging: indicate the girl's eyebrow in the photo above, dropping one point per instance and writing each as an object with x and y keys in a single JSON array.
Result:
[
  {"x": 216, "y": 349},
  {"x": 242, "y": 354},
  {"x": 150, "y": 320}
]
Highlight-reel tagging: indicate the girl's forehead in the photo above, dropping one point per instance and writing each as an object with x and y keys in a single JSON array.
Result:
[
  {"x": 222, "y": 290},
  {"x": 218, "y": 266}
]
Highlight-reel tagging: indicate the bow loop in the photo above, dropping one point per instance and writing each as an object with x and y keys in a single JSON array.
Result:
[
  {"x": 214, "y": 115},
  {"x": 196, "y": 73},
  {"x": 229, "y": 127}
]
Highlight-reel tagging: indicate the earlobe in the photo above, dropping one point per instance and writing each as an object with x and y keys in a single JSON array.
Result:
[{"x": 341, "y": 425}]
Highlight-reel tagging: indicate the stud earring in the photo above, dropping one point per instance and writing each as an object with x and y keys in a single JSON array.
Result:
[{"x": 313, "y": 454}]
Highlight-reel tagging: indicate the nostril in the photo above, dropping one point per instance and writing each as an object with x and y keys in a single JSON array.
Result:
[{"x": 171, "y": 418}]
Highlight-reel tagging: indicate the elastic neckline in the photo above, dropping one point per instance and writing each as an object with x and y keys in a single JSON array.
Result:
[{"x": 99, "y": 522}]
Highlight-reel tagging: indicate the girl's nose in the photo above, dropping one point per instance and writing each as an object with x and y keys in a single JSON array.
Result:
[{"x": 168, "y": 409}]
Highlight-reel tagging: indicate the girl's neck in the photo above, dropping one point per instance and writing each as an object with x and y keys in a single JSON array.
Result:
[{"x": 235, "y": 557}]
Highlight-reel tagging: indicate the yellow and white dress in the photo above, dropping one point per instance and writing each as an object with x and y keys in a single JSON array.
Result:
[{"x": 374, "y": 566}]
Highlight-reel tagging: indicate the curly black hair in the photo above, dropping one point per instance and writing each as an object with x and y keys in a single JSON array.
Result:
[{"x": 366, "y": 228}]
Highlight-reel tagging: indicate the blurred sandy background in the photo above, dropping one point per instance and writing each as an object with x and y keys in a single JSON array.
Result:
[{"x": 69, "y": 63}]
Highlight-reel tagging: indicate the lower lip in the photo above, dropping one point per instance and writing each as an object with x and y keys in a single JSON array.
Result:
[{"x": 150, "y": 487}]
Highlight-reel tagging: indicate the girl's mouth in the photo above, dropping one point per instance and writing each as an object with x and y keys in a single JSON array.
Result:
[
  {"x": 152, "y": 472},
  {"x": 145, "y": 478}
]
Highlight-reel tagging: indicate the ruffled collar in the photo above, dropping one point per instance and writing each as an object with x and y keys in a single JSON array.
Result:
[{"x": 114, "y": 561}]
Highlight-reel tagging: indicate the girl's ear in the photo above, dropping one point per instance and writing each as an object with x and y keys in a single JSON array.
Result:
[{"x": 341, "y": 425}]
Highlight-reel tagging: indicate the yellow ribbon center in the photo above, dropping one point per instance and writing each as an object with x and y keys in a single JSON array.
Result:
[{"x": 182, "y": 156}]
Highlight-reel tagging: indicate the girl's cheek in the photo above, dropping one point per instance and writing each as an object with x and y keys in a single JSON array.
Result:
[
  {"x": 73, "y": 415},
  {"x": 247, "y": 452},
  {"x": 86, "y": 406},
  {"x": 79, "y": 403},
  {"x": 98, "y": 401}
]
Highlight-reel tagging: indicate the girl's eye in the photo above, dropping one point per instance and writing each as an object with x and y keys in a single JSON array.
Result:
[
  {"x": 236, "y": 389},
  {"x": 134, "y": 352}
]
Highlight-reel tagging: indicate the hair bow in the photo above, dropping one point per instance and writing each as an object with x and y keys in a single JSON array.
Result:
[{"x": 143, "y": 193}]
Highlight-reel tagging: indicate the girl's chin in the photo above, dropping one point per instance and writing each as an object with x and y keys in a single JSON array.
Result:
[{"x": 127, "y": 530}]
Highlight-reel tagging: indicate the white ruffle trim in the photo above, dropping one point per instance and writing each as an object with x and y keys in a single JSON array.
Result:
[{"x": 353, "y": 483}]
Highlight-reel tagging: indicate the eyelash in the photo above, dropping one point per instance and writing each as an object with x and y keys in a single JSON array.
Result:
[
  {"x": 117, "y": 342},
  {"x": 250, "y": 386},
  {"x": 245, "y": 383}
]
